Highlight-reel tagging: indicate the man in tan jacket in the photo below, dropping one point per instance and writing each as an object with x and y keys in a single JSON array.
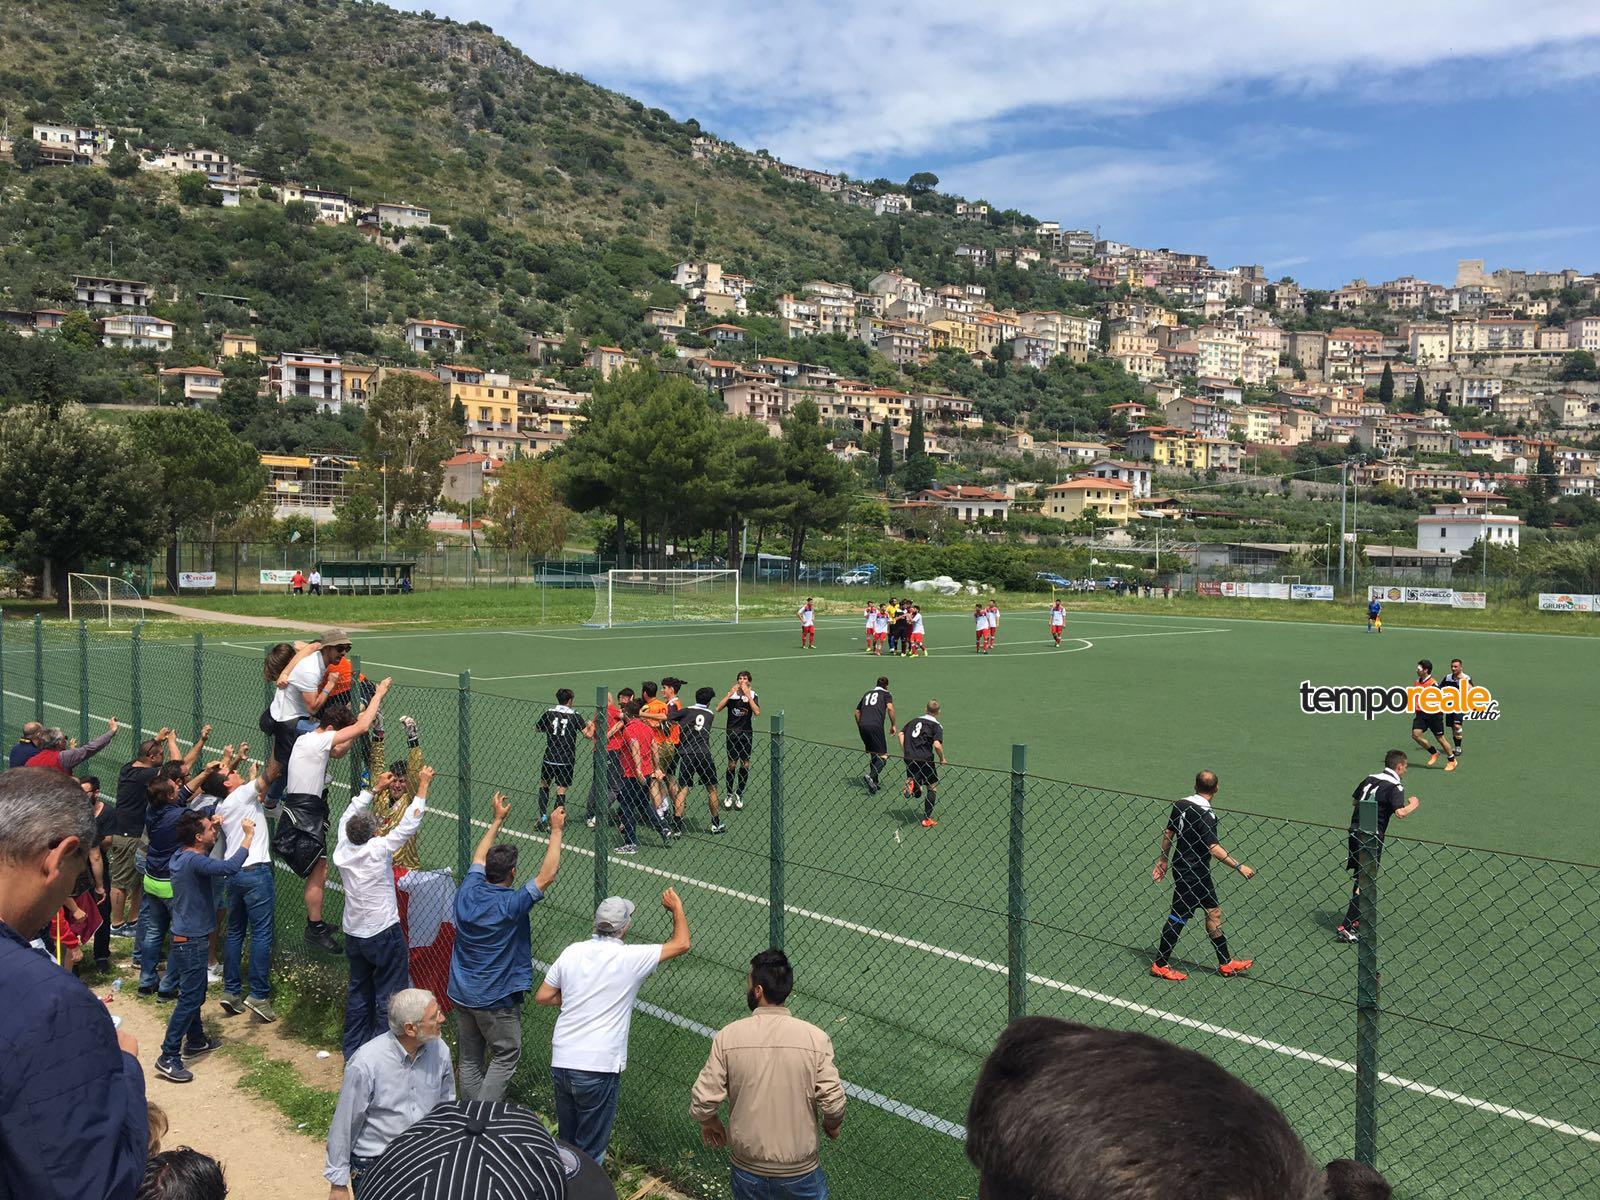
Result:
[{"x": 777, "y": 1074}]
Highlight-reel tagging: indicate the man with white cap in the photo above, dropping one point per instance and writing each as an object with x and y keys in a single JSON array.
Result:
[{"x": 594, "y": 984}]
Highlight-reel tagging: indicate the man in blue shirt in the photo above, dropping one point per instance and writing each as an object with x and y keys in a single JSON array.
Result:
[
  {"x": 491, "y": 967},
  {"x": 27, "y": 745},
  {"x": 194, "y": 917},
  {"x": 72, "y": 1104}
]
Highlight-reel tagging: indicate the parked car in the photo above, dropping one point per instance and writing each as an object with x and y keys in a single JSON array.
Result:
[
  {"x": 1055, "y": 581},
  {"x": 859, "y": 576}
]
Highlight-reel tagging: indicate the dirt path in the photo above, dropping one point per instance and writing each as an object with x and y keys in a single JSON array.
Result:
[
  {"x": 227, "y": 618},
  {"x": 264, "y": 1156}
]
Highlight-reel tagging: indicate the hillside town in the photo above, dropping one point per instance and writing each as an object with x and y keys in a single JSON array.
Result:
[{"x": 1453, "y": 391}]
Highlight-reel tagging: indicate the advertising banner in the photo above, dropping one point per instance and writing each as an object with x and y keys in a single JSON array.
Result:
[
  {"x": 1567, "y": 602},
  {"x": 1470, "y": 600},
  {"x": 1207, "y": 587},
  {"x": 282, "y": 578},
  {"x": 197, "y": 579},
  {"x": 1311, "y": 591}
]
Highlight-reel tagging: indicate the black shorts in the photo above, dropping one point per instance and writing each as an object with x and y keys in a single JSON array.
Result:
[
  {"x": 301, "y": 835},
  {"x": 559, "y": 774},
  {"x": 873, "y": 739},
  {"x": 925, "y": 774},
  {"x": 696, "y": 768},
  {"x": 1429, "y": 723},
  {"x": 1190, "y": 892},
  {"x": 740, "y": 742}
]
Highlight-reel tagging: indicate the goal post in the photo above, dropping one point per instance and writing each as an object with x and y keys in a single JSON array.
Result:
[
  {"x": 103, "y": 598},
  {"x": 647, "y": 596}
]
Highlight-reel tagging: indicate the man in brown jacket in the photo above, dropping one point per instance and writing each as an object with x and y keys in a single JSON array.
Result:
[{"x": 777, "y": 1074}]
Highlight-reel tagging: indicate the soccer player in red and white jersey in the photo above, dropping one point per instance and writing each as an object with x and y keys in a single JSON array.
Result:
[
  {"x": 1058, "y": 621},
  {"x": 917, "y": 646},
  {"x": 993, "y": 616},
  {"x": 808, "y": 625},
  {"x": 871, "y": 615},
  {"x": 880, "y": 629},
  {"x": 980, "y": 622}
]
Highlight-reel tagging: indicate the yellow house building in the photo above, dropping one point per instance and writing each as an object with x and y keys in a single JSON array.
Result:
[{"x": 1109, "y": 500}]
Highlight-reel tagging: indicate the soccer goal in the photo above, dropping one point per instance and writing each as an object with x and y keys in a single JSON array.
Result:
[
  {"x": 650, "y": 596},
  {"x": 103, "y": 598}
]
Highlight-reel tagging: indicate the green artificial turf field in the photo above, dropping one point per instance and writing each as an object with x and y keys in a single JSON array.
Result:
[{"x": 900, "y": 935}]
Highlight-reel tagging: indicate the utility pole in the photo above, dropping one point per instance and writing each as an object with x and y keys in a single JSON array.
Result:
[{"x": 1344, "y": 469}]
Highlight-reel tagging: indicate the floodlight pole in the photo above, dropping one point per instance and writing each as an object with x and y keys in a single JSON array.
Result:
[{"x": 1344, "y": 470}]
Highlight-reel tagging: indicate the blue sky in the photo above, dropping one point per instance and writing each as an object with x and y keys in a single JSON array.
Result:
[{"x": 1324, "y": 141}]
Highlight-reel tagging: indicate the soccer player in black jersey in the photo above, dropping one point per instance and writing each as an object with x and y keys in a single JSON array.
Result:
[
  {"x": 1461, "y": 681},
  {"x": 921, "y": 741},
  {"x": 1429, "y": 723},
  {"x": 1188, "y": 844},
  {"x": 743, "y": 707},
  {"x": 561, "y": 726},
  {"x": 695, "y": 764},
  {"x": 1385, "y": 787},
  {"x": 872, "y": 710}
]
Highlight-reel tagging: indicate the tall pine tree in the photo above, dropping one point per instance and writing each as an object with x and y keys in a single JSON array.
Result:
[
  {"x": 1386, "y": 386},
  {"x": 918, "y": 471},
  {"x": 1419, "y": 402},
  {"x": 885, "y": 454}
]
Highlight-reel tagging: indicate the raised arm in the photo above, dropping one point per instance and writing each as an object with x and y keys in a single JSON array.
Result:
[
  {"x": 195, "y": 750},
  {"x": 363, "y": 723},
  {"x": 552, "y": 852},
  {"x": 302, "y": 651},
  {"x": 678, "y": 943},
  {"x": 72, "y": 757},
  {"x": 502, "y": 810}
]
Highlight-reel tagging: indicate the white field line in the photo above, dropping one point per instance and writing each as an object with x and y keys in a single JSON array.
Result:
[{"x": 1118, "y": 1002}]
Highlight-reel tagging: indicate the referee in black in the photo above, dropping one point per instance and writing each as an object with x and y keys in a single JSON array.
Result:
[
  {"x": 872, "y": 710},
  {"x": 1188, "y": 844}
]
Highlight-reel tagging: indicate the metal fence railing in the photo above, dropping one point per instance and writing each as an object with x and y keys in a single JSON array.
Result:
[{"x": 1454, "y": 1045}]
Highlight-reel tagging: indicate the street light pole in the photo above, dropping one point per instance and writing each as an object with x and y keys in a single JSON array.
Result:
[{"x": 1344, "y": 471}]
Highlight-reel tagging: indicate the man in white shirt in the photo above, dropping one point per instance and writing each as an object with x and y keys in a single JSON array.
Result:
[
  {"x": 300, "y": 839},
  {"x": 316, "y": 582},
  {"x": 252, "y": 901},
  {"x": 373, "y": 940},
  {"x": 303, "y": 688},
  {"x": 594, "y": 984}
]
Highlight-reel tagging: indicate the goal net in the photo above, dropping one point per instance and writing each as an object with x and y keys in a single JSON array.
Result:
[
  {"x": 103, "y": 599},
  {"x": 649, "y": 596}
]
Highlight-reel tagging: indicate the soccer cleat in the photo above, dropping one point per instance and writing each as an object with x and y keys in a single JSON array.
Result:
[
  {"x": 1347, "y": 933},
  {"x": 544, "y": 822},
  {"x": 627, "y": 848},
  {"x": 1450, "y": 765},
  {"x": 1433, "y": 757},
  {"x": 262, "y": 1008},
  {"x": 231, "y": 1004},
  {"x": 727, "y": 801},
  {"x": 738, "y": 801},
  {"x": 1165, "y": 972},
  {"x": 1237, "y": 966},
  {"x": 928, "y": 822},
  {"x": 718, "y": 827},
  {"x": 170, "y": 1067},
  {"x": 589, "y": 821}
]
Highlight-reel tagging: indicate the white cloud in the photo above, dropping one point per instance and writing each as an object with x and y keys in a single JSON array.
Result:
[
  {"x": 1394, "y": 243},
  {"x": 840, "y": 84}
]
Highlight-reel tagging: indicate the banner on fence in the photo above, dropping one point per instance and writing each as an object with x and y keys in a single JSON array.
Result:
[
  {"x": 1311, "y": 591},
  {"x": 1207, "y": 587},
  {"x": 1394, "y": 594},
  {"x": 1470, "y": 600},
  {"x": 277, "y": 577},
  {"x": 1568, "y": 602},
  {"x": 197, "y": 579}
]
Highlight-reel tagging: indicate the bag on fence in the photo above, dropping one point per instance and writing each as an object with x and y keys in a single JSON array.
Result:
[
  {"x": 301, "y": 837},
  {"x": 266, "y": 724}
]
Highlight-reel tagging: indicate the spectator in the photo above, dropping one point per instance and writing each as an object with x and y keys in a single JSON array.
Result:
[
  {"x": 389, "y": 1085},
  {"x": 27, "y": 745},
  {"x": 447, "y": 1155},
  {"x": 777, "y": 1074},
  {"x": 316, "y": 581},
  {"x": 157, "y": 1118},
  {"x": 194, "y": 916},
  {"x": 301, "y": 691},
  {"x": 57, "y": 753},
  {"x": 490, "y": 966},
  {"x": 183, "y": 1174},
  {"x": 128, "y": 838},
  {"x": 73, "y": 1122},
  {"x": 594, "y": 984},
  {"x": 162, "y": 814},
  {"x": 374, "y": 941},
  {"x": 297, "y": 582},
  {"x": 638, "y": 773},
  {"x": 252, "y": 903},
  {"x": 96, "y": 879},
  {"x": 1346, "y": 1179},
  {"x": 1079, "y": 1113},
  {"x": 301, "y": 837}
]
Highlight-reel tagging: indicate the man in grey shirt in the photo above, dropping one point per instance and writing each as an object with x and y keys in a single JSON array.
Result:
[{"x": 389, "y": 1085}]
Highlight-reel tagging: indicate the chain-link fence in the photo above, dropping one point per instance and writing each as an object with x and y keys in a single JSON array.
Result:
[{"x": 1453, "y": 1043}]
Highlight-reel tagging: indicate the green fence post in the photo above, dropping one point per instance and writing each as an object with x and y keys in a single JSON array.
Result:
[
  {"x": 775, "y": 847},
  {"x": 135, "y": 685},
  {"x": 83, "y": 682},
  {"x": 199, "y": 682},
  {"x": 1016, "y": 893},
  {"x": 38, "y": 668},
  {"x": 357, "y": 767},
  {"x": 1367, "y": 983},
  {"x": 463, "y": 774},
  {"x": 2, "y": 672},
  {"x": 600, "y": 797}
]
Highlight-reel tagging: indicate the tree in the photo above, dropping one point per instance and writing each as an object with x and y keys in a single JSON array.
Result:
[
  {"x": 818, "y": 483},
  {"x": 1418, "y": 402},
  {"x": 922, "y": 183},
  {"x": 356, "y": 522},
  {"x": 206, "y": 475},
  {"x": 918, "y": 471},
  {"x": 526, "y": 508},
  {"x": 25, "y": 154},
  {"x": 1578, "y": 366},
  {"x": 885, "y": 454},
  {"x": 192, "y": 189},
  {"x": 1545, "y": 485},
  {"x": 407, "y": 436},
  {"x": 748, "y": 482},
  {"x": 1386, "y": 386},
  {"x": 79, "y": 330},
  {"x": 240, "y": 401},
  {"x": 73, "y": 491}
]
